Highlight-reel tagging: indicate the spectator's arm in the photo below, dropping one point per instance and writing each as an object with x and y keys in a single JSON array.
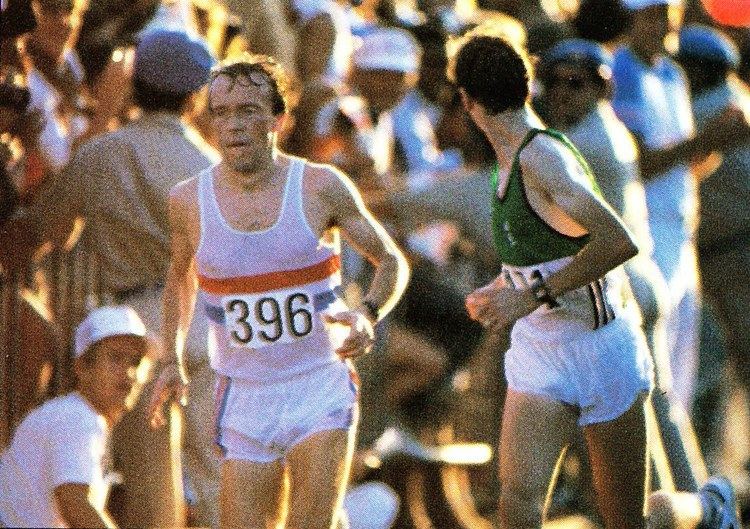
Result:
[
  {"x": 721, "y": 133},
  {"x": 72, "y": 500}
]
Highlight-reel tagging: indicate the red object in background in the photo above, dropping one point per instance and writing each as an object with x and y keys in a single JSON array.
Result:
[{"x": 729, "y": 12}]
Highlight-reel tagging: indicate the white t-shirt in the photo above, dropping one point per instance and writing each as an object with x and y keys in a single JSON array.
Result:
[{"x": 62, "y": 441}]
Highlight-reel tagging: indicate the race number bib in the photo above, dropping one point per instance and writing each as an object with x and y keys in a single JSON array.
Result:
[{"x": 260, "y": 320}]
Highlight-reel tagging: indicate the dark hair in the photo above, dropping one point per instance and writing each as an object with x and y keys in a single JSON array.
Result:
[
  {"x": 247, "y": 64},
  {"x": 602, "y": 20},
  {"x": 491, "y": 71},
  {"x": 151, "y": 99},
  {"x": 703, "y": 73}
]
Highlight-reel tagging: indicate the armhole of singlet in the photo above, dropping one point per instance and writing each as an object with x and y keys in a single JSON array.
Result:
[
  {"x": 533, "y": 134},
  {"x": 298, "y": 176}
]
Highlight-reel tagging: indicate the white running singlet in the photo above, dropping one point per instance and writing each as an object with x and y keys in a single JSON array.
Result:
[{"x": 264, "y": 291}]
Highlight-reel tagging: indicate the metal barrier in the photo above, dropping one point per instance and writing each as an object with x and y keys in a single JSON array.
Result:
[{"x": 39, "y": 309}]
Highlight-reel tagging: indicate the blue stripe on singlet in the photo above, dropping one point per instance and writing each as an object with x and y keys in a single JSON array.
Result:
[
  {"x": 222, "y": 408},
  {"x": 320, "y": 303}
]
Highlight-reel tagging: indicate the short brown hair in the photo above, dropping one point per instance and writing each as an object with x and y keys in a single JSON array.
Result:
[
  {"x": 245, "y": 65},
  {"x": 490, "y": 67}
]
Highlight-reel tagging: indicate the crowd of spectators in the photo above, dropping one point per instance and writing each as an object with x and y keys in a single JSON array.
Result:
[{"x": 102, "y": 111}]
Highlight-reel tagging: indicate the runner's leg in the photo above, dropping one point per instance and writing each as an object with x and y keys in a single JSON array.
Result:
[
  {"x": 251, "y": 494},
  {"x": 534, "y": 432},
  {"x": 319, "y": 473},
  {"x": 617, "y": 450}
]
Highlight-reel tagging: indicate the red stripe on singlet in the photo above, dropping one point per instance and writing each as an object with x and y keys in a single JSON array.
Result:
[{"x": 272, "y": 280}]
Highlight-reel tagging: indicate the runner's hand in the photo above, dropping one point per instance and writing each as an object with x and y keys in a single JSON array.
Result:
[
  {"x": 169, "y": 387},
  {"x": 496, "y": 306},
  {"x": 361, "y": 333}
]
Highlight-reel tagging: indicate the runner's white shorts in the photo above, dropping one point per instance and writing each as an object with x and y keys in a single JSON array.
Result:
[
  {"x": 261, "y": 422},
  {"x": 600, "y": 372}
]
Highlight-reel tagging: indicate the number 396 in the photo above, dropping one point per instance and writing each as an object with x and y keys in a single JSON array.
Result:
[{"x": 268, "y": 314}]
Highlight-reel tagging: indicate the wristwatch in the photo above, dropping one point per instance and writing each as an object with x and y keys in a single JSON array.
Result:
[{"x": 541, "y": 291}]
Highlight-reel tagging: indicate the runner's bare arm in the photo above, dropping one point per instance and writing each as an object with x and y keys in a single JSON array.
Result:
[
  {"x": 178, "y": 304},
  {"x": 369, "y": 238},
  {"x": 181, "y": 286},
  {"x": 557, "y": 174}
]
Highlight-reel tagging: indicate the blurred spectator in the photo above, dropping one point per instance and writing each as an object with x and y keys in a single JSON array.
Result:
[
  {"x": 367, "y": 15},
  {"x": 57, "y": 470},
  {"x": 265, "y": 29},
  {"x": 324, "y": 41},
  {"x": 54, "y": 77},
  {"x": 119, "y": 183},
  {"x": 16, "y": 18},
  {"x": 710, "y": 61},
  {"x": 651, "y": 97},
  {"x": 108, "y": 25},
  {"x": 601, "y": 20},
  {"x": 386, "y": 66},
  {"x": 433, "y": 88}
]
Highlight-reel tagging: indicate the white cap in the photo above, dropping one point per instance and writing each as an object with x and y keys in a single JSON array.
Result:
[
  {"x": 388, "y": 49},
  {"x": 637, "y": 5},
  {"x": 105, "y": 322}
]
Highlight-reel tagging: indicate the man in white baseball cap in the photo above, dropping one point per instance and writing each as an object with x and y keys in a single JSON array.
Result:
[
  {"x": 386, "y": 69},
  {"x": 56, "y": 471}
]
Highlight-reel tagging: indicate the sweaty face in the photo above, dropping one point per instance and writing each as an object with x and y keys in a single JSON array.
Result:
[{"x": 243, "y": 119}]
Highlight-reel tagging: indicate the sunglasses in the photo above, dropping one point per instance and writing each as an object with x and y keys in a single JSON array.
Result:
[{"x": 567, "y": 81}]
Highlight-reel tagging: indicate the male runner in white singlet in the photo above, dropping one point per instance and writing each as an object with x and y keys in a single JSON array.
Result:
[
  {"x": 578, "y": 357},
  {"x": 256, "y": 239}
]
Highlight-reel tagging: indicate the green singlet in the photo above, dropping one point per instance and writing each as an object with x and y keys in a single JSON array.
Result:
[{"x": 522, "y": 237}]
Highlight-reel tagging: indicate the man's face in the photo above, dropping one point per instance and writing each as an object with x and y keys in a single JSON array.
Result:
[
  {"x": 243, "y": 119},
  {"x": 382, "y": 89},
  {"x": 570, "y": 92},
  {"x": 108, "y": 381}
]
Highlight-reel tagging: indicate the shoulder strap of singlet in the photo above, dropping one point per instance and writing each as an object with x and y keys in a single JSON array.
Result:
[
  {"x": 205, "y": 203},
  {"x": 495, "y": 174},
  {"x": 559, "y": 136},
  {"x": 204, "y": 179},
  {"x": 293, "y": 205}
]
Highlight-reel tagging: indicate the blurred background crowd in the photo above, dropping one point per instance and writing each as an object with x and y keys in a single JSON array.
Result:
[{"x": 371, "y": 97}]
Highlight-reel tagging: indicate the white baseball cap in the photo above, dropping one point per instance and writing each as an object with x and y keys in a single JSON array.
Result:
[
  {"x": 104, "y": 322},
  {"x": 391, "y": 49},
  {"x": 637, "y": 5}
]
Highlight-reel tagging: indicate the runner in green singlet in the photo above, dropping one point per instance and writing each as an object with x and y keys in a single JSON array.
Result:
[{"x": 578, "y": 358}]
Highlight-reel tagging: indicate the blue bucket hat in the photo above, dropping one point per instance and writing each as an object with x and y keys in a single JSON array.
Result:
[
  {"x": 705, "y": 43},
  {"x": 173, "y": 61},
  {"x": 577, "y": 51}
]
